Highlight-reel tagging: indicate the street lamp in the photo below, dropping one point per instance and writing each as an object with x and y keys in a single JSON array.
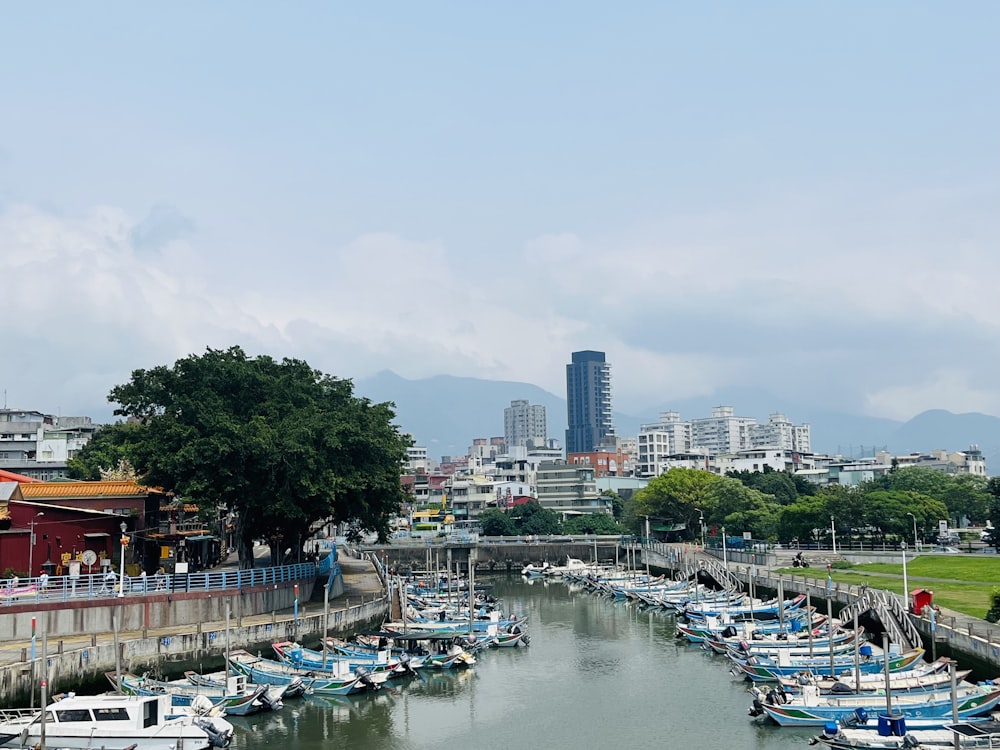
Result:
[
  {"x": 121, "y": 581},
  {"x": 701, "y": 523},
  {"x": 833, "y": 535},
  {"x": 31, "y": 543},
  {"x": 906, "y": 588},
  {"x": 916, "y": 542},
  {"x": 724, "y": 560}
]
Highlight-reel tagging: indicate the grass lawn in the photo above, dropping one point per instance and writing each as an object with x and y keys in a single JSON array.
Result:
[{"x": 964, "y": 584}]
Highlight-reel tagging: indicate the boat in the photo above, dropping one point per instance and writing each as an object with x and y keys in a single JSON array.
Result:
[
  {"x": 534, "y": 571},
  {"x": 309, "y": 659},
  {"x": 906, "y": 734},
  {"x": 237, "y": 698},
  {"x": 295, "y": 688},
  {"x": 510, "y": 640},
  {"x": 921, "y": 676},
  {"x": 263, "y": 671},
  {"x": 114, "y": 722},
  {"x": 573, "y": 565},
  {"x": 765, "y": 669},
  {"x": 812, "y": 709}
]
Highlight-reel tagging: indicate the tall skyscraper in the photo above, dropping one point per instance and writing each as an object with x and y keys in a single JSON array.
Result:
[
  {"x": 524, "y": 424},
  {"x": 588, "y": 402}
]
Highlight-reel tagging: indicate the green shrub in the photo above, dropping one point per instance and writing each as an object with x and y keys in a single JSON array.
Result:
[
  {"x": 993, "y": 615},
  {"x": 841, "y": 564}
]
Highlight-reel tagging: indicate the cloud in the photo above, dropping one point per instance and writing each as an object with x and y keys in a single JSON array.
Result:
[
  {"x": 780, "y": 296},
  {"x": 947, "y": 388},
  {"x": 163, "y": 225}
]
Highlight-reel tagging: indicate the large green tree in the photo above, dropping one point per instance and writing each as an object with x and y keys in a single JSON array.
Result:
[
  {"x": 591, "y": 523},
  {"x": 741, "y": 509},
  {"x": 495, "y": 522},
  {"x": 680, "y": 495},
  {"x": 278, "y": 442},
  {"x": 532, "y": 518},
  {"x": 107, "y": 449}
]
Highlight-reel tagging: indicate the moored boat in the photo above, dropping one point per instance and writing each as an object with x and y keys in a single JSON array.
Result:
[{"x": 115, "y": 722}]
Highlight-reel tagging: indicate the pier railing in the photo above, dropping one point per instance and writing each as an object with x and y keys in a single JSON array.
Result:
[{"x": 107, "y": 586}]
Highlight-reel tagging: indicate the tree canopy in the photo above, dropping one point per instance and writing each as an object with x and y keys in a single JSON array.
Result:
[
  {"x": 109, "y": 446},
  {"x": 278, "y": 442},
  {"x": 592, "y": 523}
]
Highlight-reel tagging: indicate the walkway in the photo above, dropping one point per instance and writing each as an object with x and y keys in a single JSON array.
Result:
[
  {"x": 945, "y": 619},
  {"x": 361, "y": 583}
]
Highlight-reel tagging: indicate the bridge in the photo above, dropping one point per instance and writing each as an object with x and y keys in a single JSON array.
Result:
[{"x": 496, "y": 554}]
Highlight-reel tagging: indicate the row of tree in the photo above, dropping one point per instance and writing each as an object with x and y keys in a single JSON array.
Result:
[
  {"x": 783, "y": 507},
  {"x": 534, "y": 520}
]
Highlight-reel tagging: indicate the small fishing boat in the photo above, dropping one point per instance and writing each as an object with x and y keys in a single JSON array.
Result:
[
  {"x": 294, "y": 689},
  {"x": 765, "y": 669},
  {"x": 317, "y": 682},
  {"x": 237, "y": 699},
  {"x": 905, "y": 734},
  {"x": 921, "y": 676},
  {"x": 812, "y": 709}
]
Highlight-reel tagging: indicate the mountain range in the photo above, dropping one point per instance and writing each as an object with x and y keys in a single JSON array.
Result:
[{"x": 445, "y": 413}]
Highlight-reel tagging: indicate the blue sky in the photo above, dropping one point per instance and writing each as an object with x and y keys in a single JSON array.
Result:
[{"x": 797, "y": 197}]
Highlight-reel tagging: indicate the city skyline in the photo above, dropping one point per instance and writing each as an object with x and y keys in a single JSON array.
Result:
[{"x": 790, "y": 198}]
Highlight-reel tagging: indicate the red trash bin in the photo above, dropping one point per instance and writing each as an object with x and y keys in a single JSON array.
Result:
[{"x": 920, "y": 598}]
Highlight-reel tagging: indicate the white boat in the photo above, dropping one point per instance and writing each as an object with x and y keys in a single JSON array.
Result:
[
  {"x": 113, "y": 722},
  {"x": 573, "y": 565}
]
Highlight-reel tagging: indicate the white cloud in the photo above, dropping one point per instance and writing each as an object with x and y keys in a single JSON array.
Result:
[
  {"x": 947, "y": 388},
  {"x": 751, "y": 298}
]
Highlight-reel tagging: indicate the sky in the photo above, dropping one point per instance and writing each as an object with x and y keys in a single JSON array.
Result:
[{"x": 798, "y": 197}]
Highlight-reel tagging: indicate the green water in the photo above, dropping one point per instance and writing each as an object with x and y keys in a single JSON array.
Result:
[{"x": 597, "y": 674}]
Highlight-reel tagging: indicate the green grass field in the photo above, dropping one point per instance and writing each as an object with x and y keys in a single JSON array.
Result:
[{"x": 964, "y": 584}]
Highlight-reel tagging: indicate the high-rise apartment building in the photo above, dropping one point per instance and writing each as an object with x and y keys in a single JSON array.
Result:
[
  {"x": 588, "y": 402},
  {"x": 524, "y": 425},
  {"x": 779, "y": 432},
  {"x": 722, "y": 432}
]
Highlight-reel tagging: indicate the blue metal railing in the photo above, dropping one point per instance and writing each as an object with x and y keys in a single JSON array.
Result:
[{"x": 104, "y": 586}]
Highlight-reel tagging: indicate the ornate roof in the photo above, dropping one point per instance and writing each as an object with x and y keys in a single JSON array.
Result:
[{"x": 50, "y": 490}]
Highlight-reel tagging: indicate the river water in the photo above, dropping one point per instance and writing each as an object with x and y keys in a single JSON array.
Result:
[{"x": 597, "y": 674}]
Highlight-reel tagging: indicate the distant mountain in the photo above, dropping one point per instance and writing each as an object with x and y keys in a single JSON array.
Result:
[
  {"x": 954, "y": 432},
  {"x": 445, "y": 413}
]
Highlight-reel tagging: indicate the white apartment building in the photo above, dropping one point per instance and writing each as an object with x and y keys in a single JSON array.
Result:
[
  {"x": 969, "y": 461},
  {"x": 524, "y": 424},
  {"x": 659, "y": 440},
  {"x": 483, "y": 454},
  {"x": 672, "y": 443},
  {"x": 756, "y": 459},
  {"x": 468, "y": 496},
  {"x": 39, "y": 445},
  {"x": 569, "y": 489},
  {"x": 722, "y": 432},
  {"x": 779, "y": 432},
  {"x": 416, "y": 458}
]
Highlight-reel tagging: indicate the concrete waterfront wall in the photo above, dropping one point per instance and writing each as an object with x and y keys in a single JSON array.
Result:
[
  {"x": 204, "y": 647},
  {"x": 59, "y": 619}
]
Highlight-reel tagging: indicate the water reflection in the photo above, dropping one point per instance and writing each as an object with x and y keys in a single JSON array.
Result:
[{"x": 597, "y": 673}]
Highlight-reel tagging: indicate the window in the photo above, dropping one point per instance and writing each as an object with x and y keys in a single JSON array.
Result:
[
  {"x": 73, "y": 714},
  {"x": 110, "y": 714}
]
